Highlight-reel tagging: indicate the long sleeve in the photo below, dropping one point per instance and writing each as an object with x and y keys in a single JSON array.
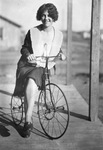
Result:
[{"x": 26, "y": 49}]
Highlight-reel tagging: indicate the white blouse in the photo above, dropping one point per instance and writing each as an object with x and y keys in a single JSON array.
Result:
[{"x": 45, "y": 46}]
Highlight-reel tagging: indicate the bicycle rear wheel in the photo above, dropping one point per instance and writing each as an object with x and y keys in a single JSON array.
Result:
[
  {"x": 17, "y": 109},
  {"x": 53, "y": 117}
]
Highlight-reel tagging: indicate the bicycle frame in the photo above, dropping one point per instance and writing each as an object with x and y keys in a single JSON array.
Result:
[{"x": 47, "y": 77}]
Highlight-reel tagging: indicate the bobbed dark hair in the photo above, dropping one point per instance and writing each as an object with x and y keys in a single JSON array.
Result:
[{"x": 52, "y": 10}]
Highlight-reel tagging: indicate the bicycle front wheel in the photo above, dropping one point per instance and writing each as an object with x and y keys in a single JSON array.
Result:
[{"x": 53, "y": 111}]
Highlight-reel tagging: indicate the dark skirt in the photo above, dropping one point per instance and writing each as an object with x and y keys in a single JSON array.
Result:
[{"x": 23, "y": 73}]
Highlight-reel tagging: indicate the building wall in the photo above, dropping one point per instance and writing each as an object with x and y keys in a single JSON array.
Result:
[{"x": 10, "y": 35}]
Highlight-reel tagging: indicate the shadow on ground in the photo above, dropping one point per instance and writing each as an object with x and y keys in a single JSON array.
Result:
[{"x": 6, "y": 120}]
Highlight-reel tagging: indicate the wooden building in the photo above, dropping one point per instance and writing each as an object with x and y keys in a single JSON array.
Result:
[{"x": 10, "y": 34}]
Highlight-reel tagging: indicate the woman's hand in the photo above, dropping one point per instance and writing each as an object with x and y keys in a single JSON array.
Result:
[
  {"x": 31, "y": 57},
  {"x": 62, "y": 56}
]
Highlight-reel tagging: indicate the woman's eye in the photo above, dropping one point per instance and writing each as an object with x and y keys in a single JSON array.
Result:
[{"x": 43, "y": 16}]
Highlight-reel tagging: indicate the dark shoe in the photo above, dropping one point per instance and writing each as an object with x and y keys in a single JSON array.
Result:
[{"x": 27, "y": 129}]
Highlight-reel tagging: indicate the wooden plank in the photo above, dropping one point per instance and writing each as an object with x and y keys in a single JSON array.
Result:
[
  {"x": 80, "y": 135},
  {"x": 94, "y": 61},
  {"x": 69, "y": 39}
]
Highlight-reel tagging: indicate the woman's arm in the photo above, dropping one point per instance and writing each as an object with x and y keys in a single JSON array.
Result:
[{"x": 26, "y": 49}]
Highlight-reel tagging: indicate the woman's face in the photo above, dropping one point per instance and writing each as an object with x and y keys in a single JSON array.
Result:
[{"x": 46, "y": 19}]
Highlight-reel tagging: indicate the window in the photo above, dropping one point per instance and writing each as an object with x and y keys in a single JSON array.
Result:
[{"x": 1, "y": 33}]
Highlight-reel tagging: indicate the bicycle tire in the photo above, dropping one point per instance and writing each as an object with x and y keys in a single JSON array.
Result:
[
  {"x": 54, "y": 121},
  {"x": 17, "y": 109}
]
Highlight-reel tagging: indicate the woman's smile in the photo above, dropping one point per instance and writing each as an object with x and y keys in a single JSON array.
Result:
[{"x": 46, "y": 19}]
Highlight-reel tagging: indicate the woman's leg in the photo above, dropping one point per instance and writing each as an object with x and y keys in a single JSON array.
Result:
[{"x": 30, "y": 96}]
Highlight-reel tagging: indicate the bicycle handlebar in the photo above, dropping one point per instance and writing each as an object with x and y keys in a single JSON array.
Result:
[
  {"x": 44, "y": 62},
  {"x": 47, "y": 56},
  {"x": 59, "y": 56}
]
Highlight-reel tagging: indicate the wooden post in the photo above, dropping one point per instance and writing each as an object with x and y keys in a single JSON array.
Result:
[
  {"x": 69, "y": 39},
  {"x": 94, "y": 61}
]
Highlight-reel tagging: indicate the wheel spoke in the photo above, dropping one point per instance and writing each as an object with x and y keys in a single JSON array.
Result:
[{"x": 59, "y": 122}]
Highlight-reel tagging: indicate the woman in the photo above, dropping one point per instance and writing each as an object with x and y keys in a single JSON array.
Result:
[{"x": 42, "y": 40}]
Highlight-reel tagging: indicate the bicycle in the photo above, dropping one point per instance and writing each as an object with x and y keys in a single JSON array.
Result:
[{"x": 53, "y": 109}]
